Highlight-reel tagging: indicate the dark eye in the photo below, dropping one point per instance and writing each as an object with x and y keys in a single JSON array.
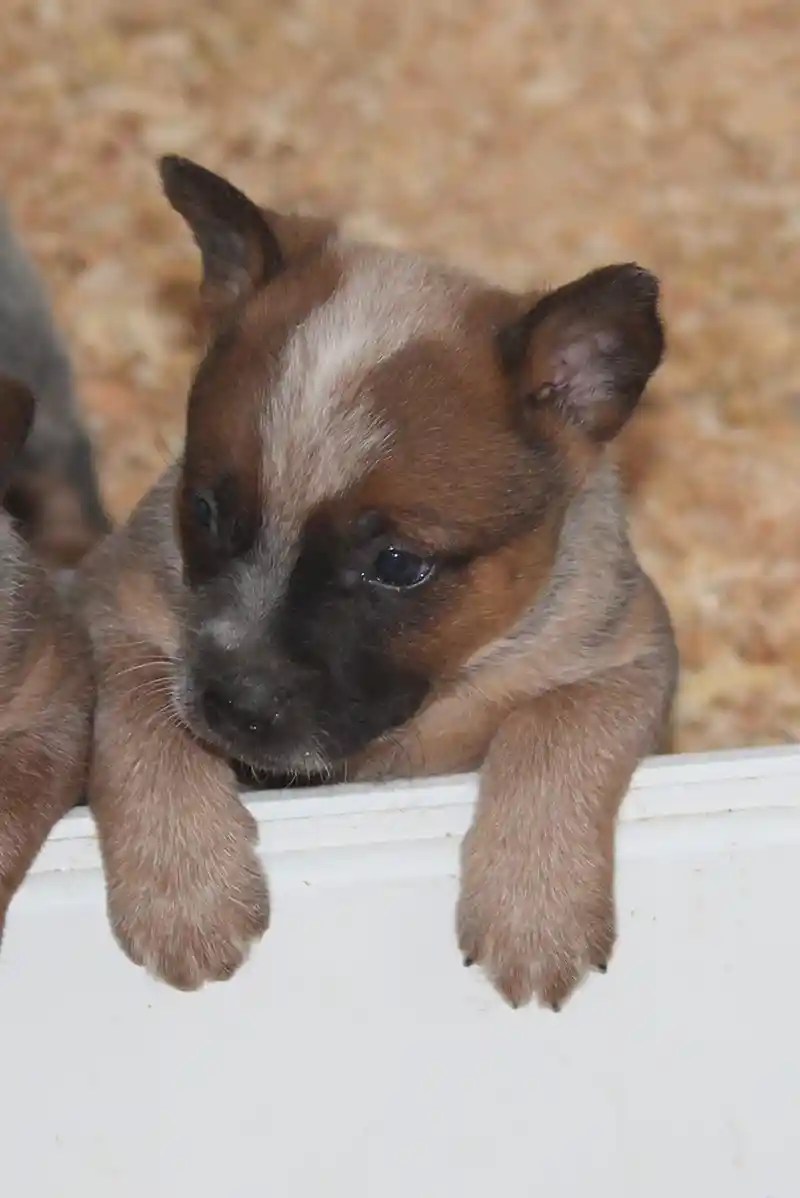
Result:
[
  {"x": 398, "y": 569},
  {"x": 204, "y": 510}
]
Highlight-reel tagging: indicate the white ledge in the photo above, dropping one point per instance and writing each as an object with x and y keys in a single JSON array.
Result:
[
  {"x": 670, "y": 791},
  {"x": 354, "y": 1057}
]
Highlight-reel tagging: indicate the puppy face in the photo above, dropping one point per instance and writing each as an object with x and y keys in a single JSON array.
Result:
[{"x": 379, "y": 456}]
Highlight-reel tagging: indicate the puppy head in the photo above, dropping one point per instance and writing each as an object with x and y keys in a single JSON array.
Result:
[{"x": 379, "y": 455}]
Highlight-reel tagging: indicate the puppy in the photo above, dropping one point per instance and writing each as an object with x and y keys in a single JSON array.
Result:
[
  {"x": 53, "y": 494},
  {"x": 393, "y": 546},
  {"x": 45, "y": 684}
]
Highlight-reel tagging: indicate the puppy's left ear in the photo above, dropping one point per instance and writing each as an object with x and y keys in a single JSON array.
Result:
[
  {"x": 239, "y": 249},
  {"x": 587, "y": 350},
  {"x": 17, "y": 408}
]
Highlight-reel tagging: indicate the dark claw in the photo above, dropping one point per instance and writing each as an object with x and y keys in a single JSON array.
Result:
[
  {"x": 469, "y": 961},
  {"x": 555, "y": 1006},
  {"x": 602, "y": 967}
]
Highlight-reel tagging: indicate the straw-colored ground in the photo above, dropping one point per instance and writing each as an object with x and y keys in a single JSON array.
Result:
[{"x": 529, "y": 140}]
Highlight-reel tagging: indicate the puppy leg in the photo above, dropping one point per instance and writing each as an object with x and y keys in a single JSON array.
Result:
[
  {"x": 186, "y": 893},
  {"x": 537, "y": 908},
  {"x": 39, "y": 783}
]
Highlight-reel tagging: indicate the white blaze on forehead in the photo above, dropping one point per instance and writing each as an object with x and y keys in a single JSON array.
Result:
[{"x": 321, "y": 433}]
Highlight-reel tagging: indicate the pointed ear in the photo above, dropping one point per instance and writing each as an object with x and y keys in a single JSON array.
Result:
[
  {"x": 588, "y": 349},
  {"x": 17, "y": 407},
  {"x": 239, "y": 249}
]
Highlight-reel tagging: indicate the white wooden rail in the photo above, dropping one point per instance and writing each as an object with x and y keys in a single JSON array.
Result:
[{"x": 354, "y": 1057}]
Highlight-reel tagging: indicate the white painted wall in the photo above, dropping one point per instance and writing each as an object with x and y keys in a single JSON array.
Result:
[{"x": 354, "y": 1057}]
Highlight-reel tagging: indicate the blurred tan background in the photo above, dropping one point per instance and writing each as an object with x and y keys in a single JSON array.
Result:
[{"x": 529, "y": 140}]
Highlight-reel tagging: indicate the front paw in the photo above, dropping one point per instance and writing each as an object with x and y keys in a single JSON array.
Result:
[
  {"x": 536, "y": 920},
  {"x": 189, "y": 912}
]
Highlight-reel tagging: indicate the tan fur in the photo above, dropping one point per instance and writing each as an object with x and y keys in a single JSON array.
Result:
[
  {"x": 537, "y": 906},
  {"x": 364, "y": 379},
  {"x": 186, "y": 895}
]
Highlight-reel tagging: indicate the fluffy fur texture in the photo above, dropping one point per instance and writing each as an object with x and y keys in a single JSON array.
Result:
[
  {"x": 53, "y": 494},
  {"x": 46, "y": 691},
  {"x": 394, "y": 545}
]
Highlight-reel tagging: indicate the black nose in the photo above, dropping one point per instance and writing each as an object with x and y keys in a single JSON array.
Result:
[{"x": 247, "y": 709}]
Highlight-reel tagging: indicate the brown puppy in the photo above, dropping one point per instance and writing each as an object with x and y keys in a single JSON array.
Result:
[
  {"x": 45, "y": 685},
  {"x": 394, "y": 545}
]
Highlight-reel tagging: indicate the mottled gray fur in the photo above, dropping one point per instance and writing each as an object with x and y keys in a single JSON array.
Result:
[{"x": 32, "y": 351}]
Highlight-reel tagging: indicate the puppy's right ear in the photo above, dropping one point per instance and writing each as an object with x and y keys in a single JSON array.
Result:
[
  {"x": 239, "y": 249},
  {"x": 587, "y": 350},
  {"x": 17, "y": 408}
]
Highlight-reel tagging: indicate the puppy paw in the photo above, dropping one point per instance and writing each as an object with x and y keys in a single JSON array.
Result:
[
  {"x": 535, "y": 921},
  {"x": 189, "y": 912}
]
